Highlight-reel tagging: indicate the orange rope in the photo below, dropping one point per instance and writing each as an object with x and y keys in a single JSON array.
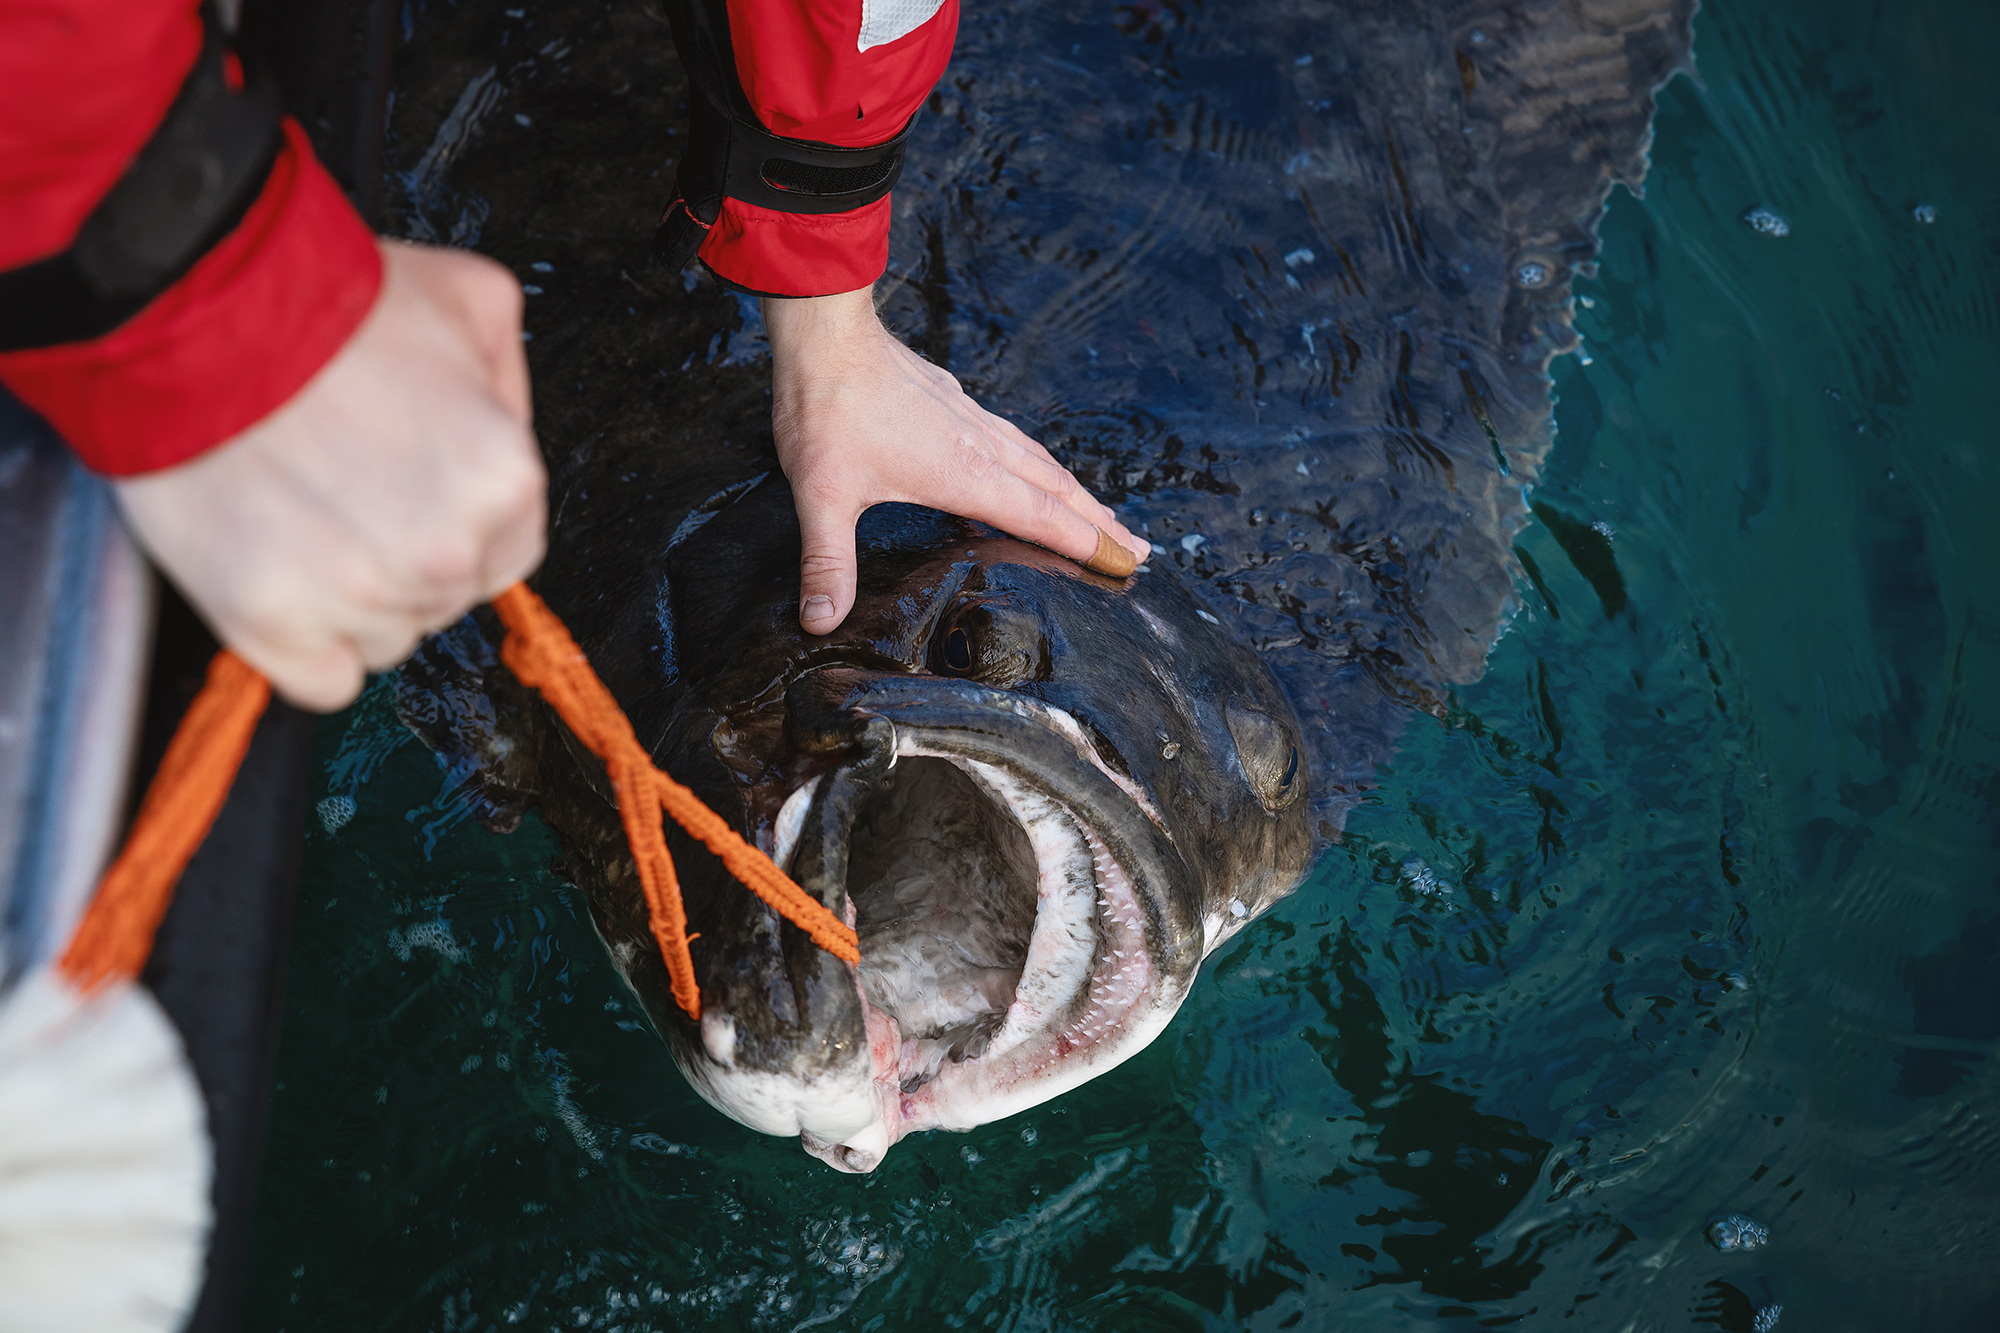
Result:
[
  {"x": 116, "y": 933},
  {"x": 201, "y": 762},
  {"x": 540, "y": 651}
]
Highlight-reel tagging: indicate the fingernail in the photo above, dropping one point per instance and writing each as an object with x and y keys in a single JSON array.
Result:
[
  {"x": 1111, "y": 558},
  {"x": 816, "y": 609}
]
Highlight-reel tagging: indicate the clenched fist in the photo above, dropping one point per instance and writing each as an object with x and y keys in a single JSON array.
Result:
[{"x": 400, "y": 487}]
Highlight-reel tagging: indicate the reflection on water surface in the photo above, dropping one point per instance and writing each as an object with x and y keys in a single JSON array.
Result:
[{"x": 1684, "y": 911}]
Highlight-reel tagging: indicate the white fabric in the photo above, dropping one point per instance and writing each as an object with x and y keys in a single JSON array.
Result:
[
  {"x": 883, "y": 21},
  {"x": 104, "y": 1163}
]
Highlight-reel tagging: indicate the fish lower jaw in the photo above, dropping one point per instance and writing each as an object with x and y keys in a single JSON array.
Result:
[
  {"x": 1121, "y": 1005},
  {"x": 1089, "y": 996},
  {"x": 862, "y": 1151},
  {"x": 945, "y": 861}
]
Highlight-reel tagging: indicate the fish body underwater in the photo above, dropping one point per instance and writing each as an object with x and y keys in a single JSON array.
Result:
[{"x": 1043, "y": 796}]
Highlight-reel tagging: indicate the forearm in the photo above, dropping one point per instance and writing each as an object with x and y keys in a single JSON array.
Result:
[
  {"x": 797, "y": 113},
  {"x": 858, "y": 418},
  {"x": 328, "y": 462},
  {"x": 84, "y": 85}
]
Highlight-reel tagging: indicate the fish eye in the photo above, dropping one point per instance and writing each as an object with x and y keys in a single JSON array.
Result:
[
  {"x": 991, "y": 641},
  {"x": 958, "y": 651},
  {"x": 1268, "y": 754}
]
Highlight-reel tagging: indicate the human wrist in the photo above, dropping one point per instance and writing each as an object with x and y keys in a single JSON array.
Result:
[{"x": 806, "y": 331}]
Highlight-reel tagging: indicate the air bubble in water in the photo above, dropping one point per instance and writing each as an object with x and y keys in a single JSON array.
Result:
[
  {"x": 1425, "y": 881},
  {"x": 335, "y": 812},
  {"x": 1737, "y": 1232},
  {"x": 1766, "y": 223},
  {"x": 1924, "y": 214}
]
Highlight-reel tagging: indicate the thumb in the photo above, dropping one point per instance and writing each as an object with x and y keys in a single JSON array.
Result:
[{"x": 826, "y": 563}]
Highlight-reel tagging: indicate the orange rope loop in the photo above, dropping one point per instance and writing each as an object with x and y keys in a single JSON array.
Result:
[{"x": 194, "y": 778}]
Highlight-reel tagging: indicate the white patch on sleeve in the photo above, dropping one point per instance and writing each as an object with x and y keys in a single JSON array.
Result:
[{"x": 883, "y": 21}]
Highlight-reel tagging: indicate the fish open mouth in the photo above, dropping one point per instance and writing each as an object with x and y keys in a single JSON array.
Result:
[
  {"x": 1006, "y": 953},
  {"x": 943, "y": 880}
]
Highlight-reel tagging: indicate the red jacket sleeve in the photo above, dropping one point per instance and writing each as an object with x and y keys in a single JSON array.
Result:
[
  {"x": 838, "y": 73},
  {"x": 83, "y": 85}
]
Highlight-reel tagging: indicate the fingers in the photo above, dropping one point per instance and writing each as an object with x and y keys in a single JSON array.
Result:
[
  {"x": 328, "y": 677},
  {"x": 493, "y": 302},
  {"x": 519, "y": 539},
  {"x": 1028, "y": 460},
  {"x": 859, "y": 419},
  {"x": 315, "y": 654},
  {"x": 482, "y": 296},
  {"x": 511, "y": 514},
  {"x": 1024, "y": 456},
  {"x": 488, "y": 522},
  {"x": 472, "y": 521},
  {"x": 314, "y": 618},
  {"x": 320, "y": 663},
  {"x": 826, "y": 557},
  {"x": 1016, "y": 504}
]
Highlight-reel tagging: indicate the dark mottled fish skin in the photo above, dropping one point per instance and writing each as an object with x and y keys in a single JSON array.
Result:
[
  {"x": 1448, "y": 167},
  {"x": 1347, "y": 529}
]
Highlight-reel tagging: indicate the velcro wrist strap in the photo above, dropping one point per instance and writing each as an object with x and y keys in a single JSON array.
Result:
[
  {"x": 186, "y": 190},
  {"x": 795, "y": 176},
  {"x": 770, "y": 171}
]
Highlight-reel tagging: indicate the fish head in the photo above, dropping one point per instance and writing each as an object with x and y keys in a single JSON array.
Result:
[{"x": 1040, "y": 795}]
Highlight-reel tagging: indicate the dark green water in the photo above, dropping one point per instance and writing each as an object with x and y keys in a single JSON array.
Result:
[{"x": 1689, "y": 909}]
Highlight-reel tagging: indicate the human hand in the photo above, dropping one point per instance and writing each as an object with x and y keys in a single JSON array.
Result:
[
  {"x": 860, "y": 419},
  {"x": 400, "y": 487}
]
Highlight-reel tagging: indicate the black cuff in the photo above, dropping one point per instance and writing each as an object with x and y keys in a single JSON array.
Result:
[{"x": 186, "y": 190}]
